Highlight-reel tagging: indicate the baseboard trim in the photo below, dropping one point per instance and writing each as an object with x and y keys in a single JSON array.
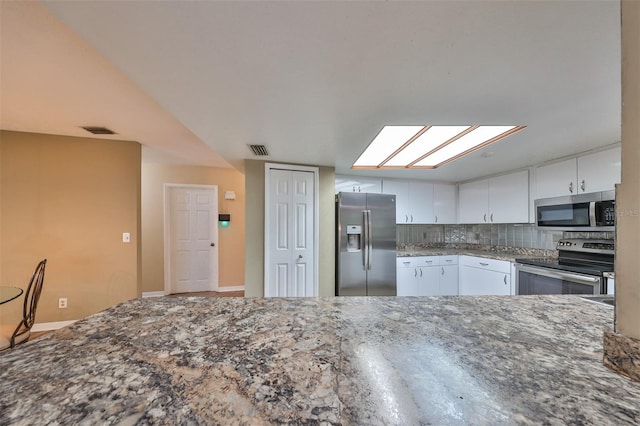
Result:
[
  {"x": 230, "y": 288},
  {"x": 152, "y": 294},
  {"x": 47, "y": 326}
]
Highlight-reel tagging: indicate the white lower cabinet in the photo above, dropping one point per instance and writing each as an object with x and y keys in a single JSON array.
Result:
[
  {"x": 448, "y": 280},
  {"x": 481, "y": 277},
  {"x": 406, "y": 278},
  {"x": 427, "y": 276}
]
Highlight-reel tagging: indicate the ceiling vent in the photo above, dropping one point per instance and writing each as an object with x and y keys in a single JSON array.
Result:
[
  {"x": 259, "y": 150},
  {"x": 99, "y": 130}
]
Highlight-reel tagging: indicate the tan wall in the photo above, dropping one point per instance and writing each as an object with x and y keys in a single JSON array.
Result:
[
  {"x": 628, "y": 192},
  {"x": 254, "y": 267},
  {"x": 69, "y": 200},
  {"x": 231, "y": 239}
]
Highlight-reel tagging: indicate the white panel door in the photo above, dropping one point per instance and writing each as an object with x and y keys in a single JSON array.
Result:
[
  {"x": 193, "y": 238},
  {"x": 290, "y": 272}
]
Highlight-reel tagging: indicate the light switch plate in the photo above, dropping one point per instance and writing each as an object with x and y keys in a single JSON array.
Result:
[{"x": 126, "y": 237}]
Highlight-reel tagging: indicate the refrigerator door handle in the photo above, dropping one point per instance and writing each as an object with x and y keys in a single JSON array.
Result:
[{"x": 367, "y": 239}]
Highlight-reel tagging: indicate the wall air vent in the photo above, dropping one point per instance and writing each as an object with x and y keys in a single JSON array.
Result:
[
  {"x": 99, "y": 130},
  {"x": 259, "y": 150}
]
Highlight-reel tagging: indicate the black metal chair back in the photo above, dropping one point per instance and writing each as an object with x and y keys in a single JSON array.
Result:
[{"x": 31, "y": 298}]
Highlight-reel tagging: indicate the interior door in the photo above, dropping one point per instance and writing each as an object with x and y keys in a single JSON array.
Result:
[
  {"x": 291, "y": 240},
  {"x": 193, "y": 239}
]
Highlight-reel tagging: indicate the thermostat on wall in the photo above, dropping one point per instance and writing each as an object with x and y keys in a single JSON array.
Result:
[{"x": 229, "y": 195}]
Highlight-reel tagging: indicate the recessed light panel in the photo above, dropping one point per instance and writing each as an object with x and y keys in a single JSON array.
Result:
[
  {"x": 428, "y": 146},
  {"x": 426, "y": 142},
  {"x": 388, "y": 141}
]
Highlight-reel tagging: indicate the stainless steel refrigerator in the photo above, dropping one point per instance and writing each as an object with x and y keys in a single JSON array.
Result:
[{"x": 365, "y": 244}]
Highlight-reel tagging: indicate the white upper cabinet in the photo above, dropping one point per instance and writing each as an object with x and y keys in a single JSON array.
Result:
[
  {"x": 595, "y": 172},
  {"x": 444, "y": 203},
  {"x": 421, "y": 202},
  {"x": 399, "y": 188},
  {"x": 473, "y": 201},
  {"x": 501, "y": 199},
  {"x": 509, "y": 198},
  {"x": 357, "y": 184},
  {"x": 557, "y": 179},
  {"x": 599, "y": 171}
]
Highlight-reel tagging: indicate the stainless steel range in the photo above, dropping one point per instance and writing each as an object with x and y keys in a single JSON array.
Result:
[{"x": 579, "y": 269}]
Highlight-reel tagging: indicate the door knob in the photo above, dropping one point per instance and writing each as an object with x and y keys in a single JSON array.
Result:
[
  {"x": 299, "y": 256},
  {"x": 213, "y": 244}
]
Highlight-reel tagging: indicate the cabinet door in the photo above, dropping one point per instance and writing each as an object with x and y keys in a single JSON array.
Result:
[
  {"x": 420, "y": 202},
  {"x": 428, "y": 280},
  {"x": 557, "y": 179},
  {"x": 407, "y": 281},
  {"x": 357, "y": 184},
  {"x": 599, "y": 171},
  {"x": 401, "y": 190},
  {"x": 474, "y": 201},
  {"x": 483, "y": 282},
  {"x": 444, "y": 204},
  {"x": 448, "y": 280},
  {"x": 509, "y": 198}
]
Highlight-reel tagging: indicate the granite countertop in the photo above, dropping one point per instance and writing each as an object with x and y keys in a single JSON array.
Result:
[
  {"x": 490, "y": 252},
  {"x": 376, "y": 361}
]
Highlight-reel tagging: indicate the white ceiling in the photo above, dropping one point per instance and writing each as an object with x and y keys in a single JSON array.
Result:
[{"x": 315, "y": 81}]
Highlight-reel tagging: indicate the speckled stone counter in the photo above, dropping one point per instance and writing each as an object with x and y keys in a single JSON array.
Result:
[
  {"x": 383, "y": 360},
  {"x": 491, "y": 252}
]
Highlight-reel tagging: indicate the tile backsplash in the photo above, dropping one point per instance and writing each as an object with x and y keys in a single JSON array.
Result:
[{"x": 504, "y": 235}]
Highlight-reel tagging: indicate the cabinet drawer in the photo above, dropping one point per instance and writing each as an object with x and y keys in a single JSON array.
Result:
[
  {"x": 448, "y": 260},
  {"x": 428, "y": 261},
  {"x": 489, "y": 264},
  {"x": 407, "y": 262}
]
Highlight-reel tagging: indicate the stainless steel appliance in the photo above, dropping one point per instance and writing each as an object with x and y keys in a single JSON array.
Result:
[
  {"x": 594, "y": 212},
  {"x": 365, "y": 244},
  {"x": 579, "y": 269}
]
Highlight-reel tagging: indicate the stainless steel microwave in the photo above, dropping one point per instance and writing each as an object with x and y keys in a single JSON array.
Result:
[{"x": 592, "y": 212}]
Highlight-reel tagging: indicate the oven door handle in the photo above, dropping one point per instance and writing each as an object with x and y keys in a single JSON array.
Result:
[{"x": 552, "y": 273}]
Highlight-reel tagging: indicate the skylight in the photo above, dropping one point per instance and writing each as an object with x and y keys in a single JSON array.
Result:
[{"x": 427, "y": 147}]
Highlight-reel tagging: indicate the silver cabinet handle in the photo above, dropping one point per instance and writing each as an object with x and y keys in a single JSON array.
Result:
[
  {"x": 484, "y": 264},
  {"x": 406, "y": 263},
  {"x": 415, "y": 272},
  {"x": 582, "y": 185},
  {"x": 442, "y": 273},
  {"x": 505, "y": 280},
  {"x": 428, "y": 261},
  {"x": 571, "y": 187},
  {"x": 491, "y": 217},
  {"x": 420, "y": 271},
  {"x": 436, "y": 219},
  {"x": 406, "y": 218},
  {"x": 411, "y": 218},
  {"x": 485, "y": 217},
  {"x": 448, "y": 260}
]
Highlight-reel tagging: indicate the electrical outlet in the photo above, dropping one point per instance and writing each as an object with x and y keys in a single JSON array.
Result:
[{"x": 62, "y": 303}]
